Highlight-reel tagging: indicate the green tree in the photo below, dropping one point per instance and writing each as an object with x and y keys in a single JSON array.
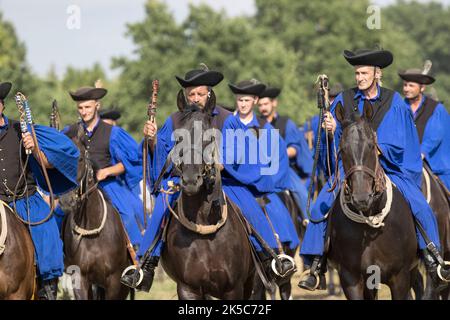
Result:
[
  {"x": 13, "y": 65},
  {"x": 319, "y": 31},
  {"x": 428, "y": 24}
]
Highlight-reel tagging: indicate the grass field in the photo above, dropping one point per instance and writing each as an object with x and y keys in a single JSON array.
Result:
[{"x": 165, "y": 289}]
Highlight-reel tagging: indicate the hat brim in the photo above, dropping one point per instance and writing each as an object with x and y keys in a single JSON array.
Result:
[
  {"x": 85, "y": 94},
  {"x": 418, "y": 78},
  {"x": 252, "y": 90},
  {"x": 270, "y": 93},
  {"x": 5, "y": 87},
  {"x": 379, "y": 58},
  {"x": 110, "y": 114},
  {"x": 208, "y": 78}
]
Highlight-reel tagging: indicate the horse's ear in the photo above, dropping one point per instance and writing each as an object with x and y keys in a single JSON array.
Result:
[
  {"x": 340, "y": 113},
  {"x": 368, "y": 110},
  {"x": 80, "y": 132},
  {"x": 80, "y": 136},
  {"x": 211, "y": 103},
  {"x": 181, "y": 101}
]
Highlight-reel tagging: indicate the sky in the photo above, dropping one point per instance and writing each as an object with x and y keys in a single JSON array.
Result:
[{"x": 55, "y": 39}]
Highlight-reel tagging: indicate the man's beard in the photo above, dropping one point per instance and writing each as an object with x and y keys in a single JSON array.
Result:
[{"x": 414, "y": 98}]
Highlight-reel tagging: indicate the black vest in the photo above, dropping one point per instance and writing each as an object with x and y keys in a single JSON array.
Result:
[
  {"x": 10, "y": 164},
  {"x": 381, "y": 107},
  {"x": 280, "y": 123},
  {"x": 97, "y": 145},
  {"x": 425, "y": 112}
]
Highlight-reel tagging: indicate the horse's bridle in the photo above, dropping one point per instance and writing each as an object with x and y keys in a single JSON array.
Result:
[
  {"x": 84, "y": 190},
  {"x": 209, "y": 170},
  {"x": 377, "y": 176}
]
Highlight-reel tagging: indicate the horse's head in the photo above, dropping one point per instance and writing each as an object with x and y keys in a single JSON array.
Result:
[
  {"x": 359, "y": 153},
  {"x": 195, "y": 155},
  {"x": 85, "y": 175}
]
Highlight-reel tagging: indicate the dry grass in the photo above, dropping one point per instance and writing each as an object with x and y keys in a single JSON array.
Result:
[{"x": 165, "y": 289}]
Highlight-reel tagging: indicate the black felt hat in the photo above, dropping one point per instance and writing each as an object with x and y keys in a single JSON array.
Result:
[
  {"x": 336, "y": 89},
  {"x": 366, "y": 57},
  {"x": 249, "y": 87},
  {"x": 88, "y": 93},
  {"x": 270, "y": 92},
  {"x": 199, "y": 77},
  {"x": 5, "y": 87},
  {"x": 112, "y": 114}
]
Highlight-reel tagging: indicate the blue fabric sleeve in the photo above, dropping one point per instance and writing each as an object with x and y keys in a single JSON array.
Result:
[
  {"x": 62, "y": 154},
  {"x": 124, "y": 149}
]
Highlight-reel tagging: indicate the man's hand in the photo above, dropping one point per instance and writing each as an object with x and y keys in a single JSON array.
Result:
[
  {"x": 102, "y": 174},
  {"x": 150, "y": 129},
  {"x": 28, "y": 141},
  {"x": 328, "y": 122}
]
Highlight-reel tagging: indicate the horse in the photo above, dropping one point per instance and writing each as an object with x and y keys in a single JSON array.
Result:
[
  {"x": 17, "y": 270},
  {"x": 94, "y": 238},
  {"x": 366, "y": 256},
  {"x": 440, "y": 205},
  {"x": 218, "y": 262}
]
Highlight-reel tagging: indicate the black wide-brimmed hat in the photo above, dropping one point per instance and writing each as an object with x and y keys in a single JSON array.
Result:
[
  {"x": 270, "y": 92},
  {"x": 5, "y": 87},
  {"x": 88, "y": 93},
  {"x": 335, "y": 90},
  {"x": 366, "y": 57},
  {"x": 112, "y": 114},
  {"x": 415, "y": 75},
  {"x": 199, "y": 77},
  {"x": 418, "y": 75},
  {"x": 249, "y": 87}
]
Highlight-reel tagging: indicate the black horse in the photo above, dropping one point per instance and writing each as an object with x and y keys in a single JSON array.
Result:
[
  {"x": 206, "y": 263},
  {"x": 365, "y": 256},
  {"x": 17, "y": 271},
  {"x": 94, "y": 237}
]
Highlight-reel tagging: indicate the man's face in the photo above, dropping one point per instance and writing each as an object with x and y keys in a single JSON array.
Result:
[
  {"x": 198, "y": 95},
  {"x": 365, "y": 76},
  {"x": 88, "y": 110},
  {"x": 245, "y": 104},
  {"x": 266, "y": 106},
  {"x": 2, "y": 107},
  {"x": 411, "y": 90}
]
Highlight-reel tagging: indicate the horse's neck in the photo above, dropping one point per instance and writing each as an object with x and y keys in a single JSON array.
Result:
[
  {"x": 89, "y": 215},
  {"x": 199, "y": 209}
]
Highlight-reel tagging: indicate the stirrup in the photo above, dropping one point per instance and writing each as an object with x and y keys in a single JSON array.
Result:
[
  {"x": 289, "y": 271},
  {"x": 316, "y": 276},
  {"x": 134, "y": 268},
  {"x": 439, "y": 269}
]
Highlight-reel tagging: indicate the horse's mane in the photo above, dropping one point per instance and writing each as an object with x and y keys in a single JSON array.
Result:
[
  {"x": 195, "y": 113},
  {"x": 360, "y": 122}
]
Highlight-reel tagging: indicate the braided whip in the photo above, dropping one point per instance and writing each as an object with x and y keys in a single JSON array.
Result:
[
  {"x": 26, "y": 120},
  {"x": 151, "y": 112},
  {"x": 322, "y": 103}
]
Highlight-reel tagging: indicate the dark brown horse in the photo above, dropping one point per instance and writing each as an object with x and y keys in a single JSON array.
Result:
[
  {"x": 219, "y": 263},
  {"x": 365, "y": 256},
  {"x": 17, "y": 271},
  {"x": 94, "y": 237},
  {"x": 438, "y": 201}
]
